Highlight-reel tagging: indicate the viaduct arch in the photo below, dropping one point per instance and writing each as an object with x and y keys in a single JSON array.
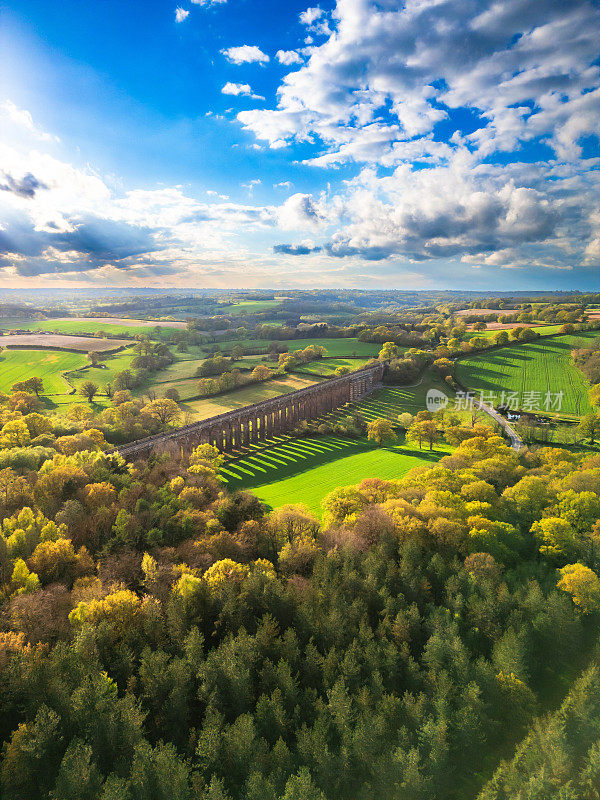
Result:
[{"x": 262, "y": 420}]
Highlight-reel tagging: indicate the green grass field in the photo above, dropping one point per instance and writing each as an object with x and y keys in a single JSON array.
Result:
[
  {"x": 336, "y": 348},
  {"x": 18, "y": 365},
  {"x": 325, "y": 367},
  {"x": 543, "y": 330},
  {"x": 92, "y": 326},
  {"x": 393, "y": 400},
  {"x": 305, "y": 470},
  {"x": 105, "y": 373},
  {"x": 252, "y": 306},
  {"x": 536, "y": 367}
]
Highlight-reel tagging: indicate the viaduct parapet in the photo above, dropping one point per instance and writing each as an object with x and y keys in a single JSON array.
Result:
[{"x": 254, "y": 423}]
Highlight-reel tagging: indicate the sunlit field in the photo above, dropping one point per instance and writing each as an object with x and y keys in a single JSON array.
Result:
[
  {"x": 540, "y": 366},
  {"x": 305, "y": 470},
  {"x": 49, "y": 365}
]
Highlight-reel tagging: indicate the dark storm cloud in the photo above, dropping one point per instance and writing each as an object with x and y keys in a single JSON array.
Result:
[
  {"x": 26, "y": 186},
  {"x": 92, "y": 243}
]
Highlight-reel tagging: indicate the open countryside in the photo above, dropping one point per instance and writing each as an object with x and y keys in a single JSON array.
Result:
[
  {"x": 382, "y": 491},
  {"x": 305, "y": 471},
  {"x": 300, "y": 400}
]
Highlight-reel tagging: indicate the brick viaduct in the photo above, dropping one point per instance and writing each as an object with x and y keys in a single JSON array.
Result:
[{"x": 254, "y": 423}]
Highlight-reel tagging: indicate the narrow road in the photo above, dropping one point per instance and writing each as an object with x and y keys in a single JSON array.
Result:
[{"x": 515, "y": 440}]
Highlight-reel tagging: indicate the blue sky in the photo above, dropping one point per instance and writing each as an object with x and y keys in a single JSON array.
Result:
[{"x": 431, "y": 143}]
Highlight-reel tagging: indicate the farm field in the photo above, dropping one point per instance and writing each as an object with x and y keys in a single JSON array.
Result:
[
  {"x": 336, "y": 348},
  {"x": 18, "y": 365},
  {"x": 393, "y": 400},
  {"x": 106, "y": 371},
  {"x": 252, "y": 306},
  {"x": 324, "y": 367},
  {"x": 543, "y": 330},
  {"x": 123, "y": 327},
  {"x": 535, "y": 367},
  {"x": 305, "y": 470},
  {"x": 210, "y": 406},
  {"x": 49, "y": 341}
]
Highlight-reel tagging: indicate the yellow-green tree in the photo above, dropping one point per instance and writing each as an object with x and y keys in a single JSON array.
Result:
[
  {"x": 583, "y": 585},
  {"x": 380, "y": 431},
  {"x": 163, "y": 409},
  {"x": 389, "y": 351}
]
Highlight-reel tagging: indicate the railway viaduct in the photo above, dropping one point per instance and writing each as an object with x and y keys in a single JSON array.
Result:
[{"x": 254, "y": 423}]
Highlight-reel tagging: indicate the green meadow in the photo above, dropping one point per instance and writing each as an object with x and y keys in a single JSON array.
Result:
[
  {"x": 49, "y": 365},
  {"x": 326, "y": 367},
  {"x": 252, "y": 306},
  {"x": 336, "y": 348},
  {"x": 106, "y": 370},
  {"x": 304, "y": 470},
  {"x": 540, "y": 366},
  {"x": 543, "y": 330},
  {"x": 91, "y": 326}
]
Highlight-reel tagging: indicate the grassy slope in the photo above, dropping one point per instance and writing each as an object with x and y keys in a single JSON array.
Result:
[
  {"x": 539, "y": 366},
  {"x": 543, "y": 330},
  {"x": 251, "y": 306},
  {"x": 327, "y": 366},
  {"x": 305, "y": 470},
  {"x": 18, "y": 365},
  {"x": 108, "y": 369}
]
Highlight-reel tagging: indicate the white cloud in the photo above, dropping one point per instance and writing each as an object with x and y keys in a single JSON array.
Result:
[
  {"x": 23, "y": 119},
  {"x": 237, "y": 89},
  {"x": 251, "y": 184},
  {"x": 181, "y": 14},
  {"x": 288, "y": 57},
  {"x": 207, "y": 3},
  {"x": 527, "y": 70},
  {"x": 301, "y": 212},
  {"x": 245, "y": 54},
  {"x": 311, "y": 15}
]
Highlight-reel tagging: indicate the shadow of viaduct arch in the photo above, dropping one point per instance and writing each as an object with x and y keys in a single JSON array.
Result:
[{"x": 260, "y": 421}]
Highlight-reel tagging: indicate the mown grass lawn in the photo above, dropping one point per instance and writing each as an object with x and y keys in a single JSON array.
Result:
[
  {"x": 18, "y": 365},
  {"x": 304, "y": 470},
  {"x": 542, "y": 366}
]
